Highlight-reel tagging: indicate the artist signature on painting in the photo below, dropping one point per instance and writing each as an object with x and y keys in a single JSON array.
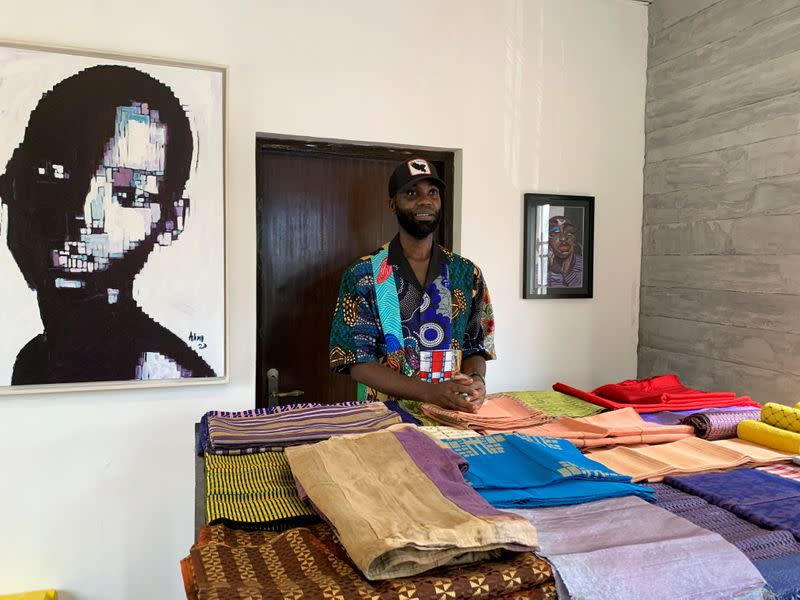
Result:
[{"x": 197, "y": 340}]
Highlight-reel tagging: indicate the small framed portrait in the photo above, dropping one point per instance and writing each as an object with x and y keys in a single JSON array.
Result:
[{"x": 559, "y": 239}]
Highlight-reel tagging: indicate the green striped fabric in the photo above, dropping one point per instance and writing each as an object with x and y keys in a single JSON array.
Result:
[{"x": 253, "y": 491}]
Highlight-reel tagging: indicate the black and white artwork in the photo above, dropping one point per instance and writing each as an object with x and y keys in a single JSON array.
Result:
[{"x": 112, "y": 245}]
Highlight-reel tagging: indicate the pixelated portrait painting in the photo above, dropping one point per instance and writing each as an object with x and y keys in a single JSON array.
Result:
[{"x": 112, "y": 221}]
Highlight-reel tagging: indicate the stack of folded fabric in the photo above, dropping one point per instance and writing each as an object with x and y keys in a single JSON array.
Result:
[
  {"x": 523, "y": 471},
  {"x": 259, "y": 431},
  {"x": 502, "y": 413},
  {"x": 720, "y": 424},
  {"x": 762, "y": 498},
  {"x": 311, "y": 564},
  {"x": 663, "y": 392},
  {"x": 614, "y": 428},
  {"x": 788, "y": 471},
  {"x": 554, "y": 404},
  {"x": 779, "y": 428},
  {"x": 400, "y": 505},
  {"x": 627, "y": 549},
  {"x": 254, "y": 492},
  {"x": 757, "y": 455},
  {"x": 775, "y": 553}
]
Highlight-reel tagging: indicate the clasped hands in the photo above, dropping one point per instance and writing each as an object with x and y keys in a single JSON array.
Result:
[{"x": 462, "y": 393}]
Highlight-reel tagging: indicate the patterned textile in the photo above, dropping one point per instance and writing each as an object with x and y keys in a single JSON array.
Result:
[
  {"x": 675, "y": 417},
  {"x": 782, "y": 576},
  {"x": 788, "y": 471},
  {"x": 761, "y": 498},
  {"x": 755, "y": 542},
  {"x": 620, "y": 427},
  {"x": 554, "y": 404},
  {"x": 523, "y": 471},
  {"x": 780, "y": 416},
  {"x": 298, "y": 425},
  {"x": 719, "y": 425},
  {"x": 655, "y": 394},
  {"x": 255, "y": 491},
  {"x": 310, "y": 563},
  {"x": 405, "y": 416},
  {"x": 202, "y": 437},
  {"x": 455, "y": 286},
  {"x": 400, "y": 503},
  {"x": 769, "y": 436},
  {"x": 442, "y": 432},
  {"x": 501, "y": 413},
  {"x": 627, "y": 549}
]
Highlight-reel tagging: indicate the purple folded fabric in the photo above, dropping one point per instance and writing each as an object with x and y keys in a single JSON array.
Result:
[
  {"x": 675, "y": 417},
  {"x": 762, "y": 498},
  {"x": 719, "y": 425}
]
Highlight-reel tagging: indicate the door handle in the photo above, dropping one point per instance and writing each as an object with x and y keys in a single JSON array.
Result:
[{"x": 272, "y": 389}]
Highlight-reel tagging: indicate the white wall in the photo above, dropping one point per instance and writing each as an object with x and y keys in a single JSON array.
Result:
[{"x": 541, "y": 95}]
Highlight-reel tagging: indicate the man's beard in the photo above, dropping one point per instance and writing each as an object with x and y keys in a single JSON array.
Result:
[{"x": 417, "y": 229}]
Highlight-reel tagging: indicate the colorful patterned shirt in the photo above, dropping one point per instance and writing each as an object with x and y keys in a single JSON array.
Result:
[{"x": 356, "y": 332}]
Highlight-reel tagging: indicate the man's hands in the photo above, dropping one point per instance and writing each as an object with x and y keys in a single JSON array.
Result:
[{"x": 460, "y": 393}]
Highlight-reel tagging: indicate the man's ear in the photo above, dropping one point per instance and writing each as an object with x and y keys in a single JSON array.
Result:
[{"x": 392, "y": 204}]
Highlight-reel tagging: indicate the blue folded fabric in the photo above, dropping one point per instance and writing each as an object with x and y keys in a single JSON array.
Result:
[
  {"x": 782, "y": 576},
  {"x": 524, "y": 471}
]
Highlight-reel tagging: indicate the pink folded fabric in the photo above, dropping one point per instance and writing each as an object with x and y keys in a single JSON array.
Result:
[{"x": 499, "y": 414}]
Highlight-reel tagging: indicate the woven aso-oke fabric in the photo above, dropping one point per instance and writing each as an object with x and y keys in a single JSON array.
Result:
[
  {"x": 255, "y": 491},
  {"x": 788, "y": 471},
  {"x": 769, "y": 436},
  {"x": 552, "y": 403},
  {"x": 627, "y": 549},
  {"x": 780, "y": 416},
  {"x": 501, "y": 413},
  {"x": 311, "y": 564},
  {"x": 400, "y": 504},
  {"x": 719, "y": 425}
]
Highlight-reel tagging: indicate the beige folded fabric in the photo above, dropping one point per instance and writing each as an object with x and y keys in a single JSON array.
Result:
[
  {"x": 653, "y": 463},
  {"x": 758, "y": 455},
  {"x": 400, "y": 504}
]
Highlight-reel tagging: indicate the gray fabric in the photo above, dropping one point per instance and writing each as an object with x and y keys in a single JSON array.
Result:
[{"x": 625, "y": 548}]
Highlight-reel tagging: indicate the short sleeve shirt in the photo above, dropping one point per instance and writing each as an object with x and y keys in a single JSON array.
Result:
[{"x": 356, "y": 333}]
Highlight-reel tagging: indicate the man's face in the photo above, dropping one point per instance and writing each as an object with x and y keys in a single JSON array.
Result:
[
  {"x": 122, "y": 207},
  {"x": 562, "y": 237},
  {"x": 418, "y": 208}
]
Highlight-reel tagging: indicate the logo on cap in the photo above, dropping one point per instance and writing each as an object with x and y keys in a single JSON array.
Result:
[{"x": 419, "y": 167}]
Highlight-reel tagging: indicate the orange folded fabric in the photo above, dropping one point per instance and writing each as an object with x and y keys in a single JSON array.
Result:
[{"x": 499, "y": 414}]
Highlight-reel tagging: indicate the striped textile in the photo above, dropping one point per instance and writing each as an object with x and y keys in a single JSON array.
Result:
[
  {"x": 255, "y": 491},
  {"x": 787, "y": 471},
  {"x": 297, "y": 426}
]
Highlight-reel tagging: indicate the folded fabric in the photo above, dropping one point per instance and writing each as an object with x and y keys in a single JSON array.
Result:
[
  {"x": 769, "y": 436},
  {"x": 781, "y": 576},
  {"x": 501, "y": 413},
  {"x": 400, "y": 505},
  {"x": 756, "y": 454},
  {"x": 645, "y": 402},
  {"x": 719, "y": 425},
  {"x": 255, "y": 491},
  {"x": 617, "y": 427},
  {"x": 522, "y": 471},
  {"x": 754, "y": 541},
  {"x": 299, "y": 425},
  {"x": 675, "y": 417},
  {"x": 443, "y": 432},
  {"x": 625, "y": 548},
  {"x": 761, "y": 498},
  {"x": 652, "y": 463},
  {"x": 310, "y": 563},
  {"x": 780, "y": 416},
  {"x": 203, "y": 444},
  {"x": 655, "y": 390},
  {"x": 554, "y": 404},
  {"x": 788, "y": 471}
]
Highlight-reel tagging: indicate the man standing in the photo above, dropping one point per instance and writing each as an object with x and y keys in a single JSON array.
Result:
[{"x": 414, "y": 321}]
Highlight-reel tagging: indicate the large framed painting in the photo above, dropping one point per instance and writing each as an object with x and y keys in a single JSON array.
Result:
[
  {"x": 558, "y": 248},
  {"x": 112, "y": 244}
]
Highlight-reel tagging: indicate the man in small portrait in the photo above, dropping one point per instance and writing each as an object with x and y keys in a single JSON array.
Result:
[
  {"x": 564, "y": 259},
  {"x": 95, "y": 185}
]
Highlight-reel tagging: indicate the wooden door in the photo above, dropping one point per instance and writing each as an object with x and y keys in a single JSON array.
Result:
[{"x": 319, "y": 207}]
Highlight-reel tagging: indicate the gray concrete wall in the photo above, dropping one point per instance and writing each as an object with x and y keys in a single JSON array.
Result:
[{"x": 720, "y": 297}]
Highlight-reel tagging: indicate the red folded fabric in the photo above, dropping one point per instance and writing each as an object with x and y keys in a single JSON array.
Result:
[{"x": 643, "y": 401}]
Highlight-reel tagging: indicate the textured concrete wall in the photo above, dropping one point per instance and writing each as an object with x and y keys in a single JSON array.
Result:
[{"x": 720, "y": 299}]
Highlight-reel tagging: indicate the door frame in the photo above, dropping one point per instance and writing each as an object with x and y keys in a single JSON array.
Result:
[{"x": 310, "y": 147}]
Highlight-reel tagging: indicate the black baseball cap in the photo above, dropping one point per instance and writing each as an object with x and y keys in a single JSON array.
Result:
[{"x": 411, "y": 170}]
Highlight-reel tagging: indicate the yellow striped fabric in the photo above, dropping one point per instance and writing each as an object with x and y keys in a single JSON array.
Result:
[
  {"x": 252, "y": 489},
  {"x": 769, "y": 436},
  {"x": 783, "y": 417}
]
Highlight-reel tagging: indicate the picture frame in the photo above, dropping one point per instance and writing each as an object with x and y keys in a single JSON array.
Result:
[
  {"x": 558, "y": 248},
  {"x": 113, "y": 246}
]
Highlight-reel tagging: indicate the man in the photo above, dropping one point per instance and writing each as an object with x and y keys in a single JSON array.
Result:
[
  {"x": 95, "y": 185},
  {"x": 414, "y": 321},
  {"x": 564, "y": 264}
]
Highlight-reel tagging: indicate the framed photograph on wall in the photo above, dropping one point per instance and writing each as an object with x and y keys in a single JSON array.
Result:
[
  {"x": 112, "y": 214},
  {"x": 558, "y": 246}
]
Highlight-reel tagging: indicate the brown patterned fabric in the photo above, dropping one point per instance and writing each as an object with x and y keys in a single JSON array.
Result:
[{"x": 310, "y": 564}]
